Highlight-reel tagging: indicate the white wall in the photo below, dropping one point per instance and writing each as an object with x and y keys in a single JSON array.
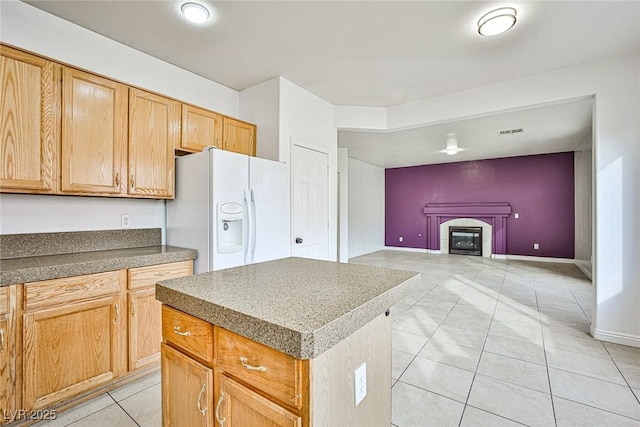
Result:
[
  {"x": 260, "y": 104},
  {"x": 307, "y": 119},
  {"x": 615, "y": 83},
  {"x": 27, "y": 213},
  {"x": 583, "y": 177},
  {"x": 26, "y": 27},
  {"x": 366, "y": 208},
  {"x": 343, "y": 208}
]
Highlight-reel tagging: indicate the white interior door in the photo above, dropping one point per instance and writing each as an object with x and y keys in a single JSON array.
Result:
[{"x": 310, "y": 203}]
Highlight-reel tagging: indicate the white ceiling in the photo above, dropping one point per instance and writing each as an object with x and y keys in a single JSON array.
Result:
[
  {"x": 548, "y": 129},
  {"x": 384, "y": 53}
]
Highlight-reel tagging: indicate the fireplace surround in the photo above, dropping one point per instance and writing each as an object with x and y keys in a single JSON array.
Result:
[{"x": 493, "y": 214}]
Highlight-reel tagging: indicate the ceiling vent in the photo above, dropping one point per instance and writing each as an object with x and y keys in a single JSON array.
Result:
[{"x": 509, "y": 131}]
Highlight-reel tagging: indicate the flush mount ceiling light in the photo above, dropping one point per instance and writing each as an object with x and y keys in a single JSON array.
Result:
[
  {"x": 497, "y": 21},
  {"x": 452, "y": 145},
  {"x": 195, "y": 12}
]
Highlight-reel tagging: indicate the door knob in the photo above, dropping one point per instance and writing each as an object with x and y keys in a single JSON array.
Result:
[{"x": 298, "y": 240}]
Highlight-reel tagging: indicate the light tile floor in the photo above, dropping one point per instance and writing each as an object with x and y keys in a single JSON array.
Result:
[
  {"x": 479, "y": 342},
  {"x": 484, "y": 342}
]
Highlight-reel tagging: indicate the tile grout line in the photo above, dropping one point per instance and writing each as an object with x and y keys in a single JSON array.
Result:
[
  {"x": 546, "y": 363},
  {"x": 620, "y": 371},
  {"x": 466, "y": 402}
]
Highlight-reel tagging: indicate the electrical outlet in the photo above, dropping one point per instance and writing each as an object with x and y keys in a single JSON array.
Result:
[
  {"x": 536, "y": 246},
  {"x": 516, "y": 215},
  {"x": 360, "y": 383},
  {"x": 125, "y": 221},
  {"x": 400, "y": 239}
]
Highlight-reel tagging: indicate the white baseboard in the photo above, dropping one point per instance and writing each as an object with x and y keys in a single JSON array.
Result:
[
  {"x": 395, "y": 248},
  {"x": 586, "y": 271},
  {"x": 534, "y": 258},
  {"x": 616, "y": 337},
  {"x": 366, "y": 251}
]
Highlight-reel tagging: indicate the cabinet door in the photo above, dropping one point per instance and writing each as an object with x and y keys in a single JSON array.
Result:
[
  {"x": 239, "y": 406},
  {"x": 71, "y": 349},
  {"x": 154, "y": 132},
  {"x": 187, "y": 391},
  {"x": 239, "y": 137},
  {"x": 145, "y": 328},
  {"x": 94, "y": 134},
  {"x": 200, "y": 128},
  {"x": 8, "y": 352},
  {"x": 30, "y": 114}
]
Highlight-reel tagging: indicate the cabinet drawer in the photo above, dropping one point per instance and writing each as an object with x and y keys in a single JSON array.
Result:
[
  {"x": 148, "y": 276},
  {"x": 188, "y": 333},
  {"x": 269, "y": 370},
  {"x": 63, "y": 291},
  {"x": 4, "y": 299}
]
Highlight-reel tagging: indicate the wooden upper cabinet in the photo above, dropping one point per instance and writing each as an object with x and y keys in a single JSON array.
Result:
[
  {"x": 30, "y": 115},
  {"x": 239, "y": 136},
  {"x": 94, "y": 134},
  {"x": 200, "y": 128},
  {"x": 154, "y": 132}
]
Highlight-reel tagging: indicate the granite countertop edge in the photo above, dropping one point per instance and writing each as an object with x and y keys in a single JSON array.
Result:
[
  {"x": 299, "y": 344},
  {"x": 67, "y": 265}
]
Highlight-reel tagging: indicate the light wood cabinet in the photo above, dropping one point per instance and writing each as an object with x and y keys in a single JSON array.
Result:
[
  {"x": 145, "y": 312},
  {"x": 83, "y": 332},
  {"x": 239, "y": 137},
  {"x": 71, "y": 349},
  {"x": 30, "y": 131},
  {"x": 145, "y": 329},
  {"x": 200, "y": 128},
  {"x": 187, "y": 391},
  {"x": 240, "y": 406},
  {"x": 94, "y": 134},
  {"x": 154, "y": 132},
  {"x": 8, "y": 352}
]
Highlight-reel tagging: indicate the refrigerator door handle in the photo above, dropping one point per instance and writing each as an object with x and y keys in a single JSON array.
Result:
[
  {"x": 254, "y": 227},
  {"x": 247, "y": 219}
]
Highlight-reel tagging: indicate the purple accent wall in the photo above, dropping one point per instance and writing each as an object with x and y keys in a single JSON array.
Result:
[{"x": 539, "y": 188}]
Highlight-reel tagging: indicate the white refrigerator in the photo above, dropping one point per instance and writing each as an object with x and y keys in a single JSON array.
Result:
[{"x": 231, "y": 208}]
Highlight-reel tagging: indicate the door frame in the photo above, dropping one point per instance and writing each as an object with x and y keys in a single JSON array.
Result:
[{"x": 324, "y": 150}]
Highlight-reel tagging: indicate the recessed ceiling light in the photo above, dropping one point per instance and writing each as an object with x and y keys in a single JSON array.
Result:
[
  {"x": 497, "y": 21},
  {"x": 195, "y": 12},
  {"x": 452, "y": 145}
]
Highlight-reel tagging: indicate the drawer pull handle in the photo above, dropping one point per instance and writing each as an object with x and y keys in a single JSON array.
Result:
[
  {"x": 133, "y": 308},
  {"x": 202, "y": 410},
  {"x": 1, "y": 340},
  {"x": 76, "y": 288},
  {"x": 243, "y": 361},
  {"x": 220, "y": 420},
  {"x": 177, "y": 331}
]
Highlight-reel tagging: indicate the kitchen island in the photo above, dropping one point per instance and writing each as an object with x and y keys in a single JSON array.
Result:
[{"x": 278, "y": 343}]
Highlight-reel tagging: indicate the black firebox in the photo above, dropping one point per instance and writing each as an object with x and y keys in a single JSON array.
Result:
[{"x": 465, "y": 240}]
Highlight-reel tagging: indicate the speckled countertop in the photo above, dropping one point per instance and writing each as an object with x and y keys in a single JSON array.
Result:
[
  {"x": 299, "y": 306},
  {"x": 43, "y": 256},
  {"x": 31, "y": 269}
]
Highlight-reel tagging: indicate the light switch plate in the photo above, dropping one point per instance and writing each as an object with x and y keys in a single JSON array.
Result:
[{"x": 360, "y": 383}]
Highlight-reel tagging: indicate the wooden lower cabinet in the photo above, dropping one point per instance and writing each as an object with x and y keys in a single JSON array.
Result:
[
  {"x": 239, "y": 406},
  {"x": 258, "y": 386},
  {"x": 71, "y": 349},
  {"x": 145, "y": 329},
  {"x": 8, "y": 384},
  {"x": 187, "y": 391},
  {"x": 145, "y": 312}
]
